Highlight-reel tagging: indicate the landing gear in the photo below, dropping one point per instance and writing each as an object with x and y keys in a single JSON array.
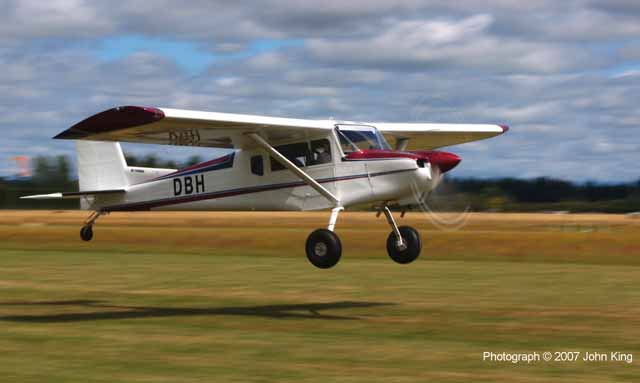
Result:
[
  {"x": 86, "y": 233},
  {"x": 323, "y": 247},
  {"x": 409, "y": 250},
  {"x": 403, "y": 243}
]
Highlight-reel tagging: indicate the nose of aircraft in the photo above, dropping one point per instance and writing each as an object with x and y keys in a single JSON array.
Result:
[{"x": 445, "y": 161}]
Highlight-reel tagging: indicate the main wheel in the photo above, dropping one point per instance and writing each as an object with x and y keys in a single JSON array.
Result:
[
  {"x": 86, "y": 233},
  {"x": 412, "y": 245},
  {"x": 323, "y": 248}
]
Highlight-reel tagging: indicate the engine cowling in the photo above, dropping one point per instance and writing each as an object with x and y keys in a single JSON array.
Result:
[{"x": 444, "y": 161}]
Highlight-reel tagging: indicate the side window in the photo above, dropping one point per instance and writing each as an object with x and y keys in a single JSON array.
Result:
[
  {"x": 297, "y": 153},
  {"x": 257, "y": 165},
  {"x": 320, "y": 152}
]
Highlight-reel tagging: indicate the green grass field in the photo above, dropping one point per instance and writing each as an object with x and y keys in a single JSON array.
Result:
[{"x": 230, "y": 297}]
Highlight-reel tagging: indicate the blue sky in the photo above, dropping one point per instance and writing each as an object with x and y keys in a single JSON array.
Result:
[
  {"x": 188, "y": 55},
  {"x": 564, "y": 75}
]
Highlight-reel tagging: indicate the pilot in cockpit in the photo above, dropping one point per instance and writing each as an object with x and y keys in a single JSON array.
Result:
[{"x": 321, "y": 154}]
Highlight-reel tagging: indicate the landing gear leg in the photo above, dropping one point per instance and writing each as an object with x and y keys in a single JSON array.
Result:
[
  {"x": 86, "y": 233},
  {"x": 334, "y": 217},
  {"x": 403, "y": 244},
  {"x": 323, "y": 246}
]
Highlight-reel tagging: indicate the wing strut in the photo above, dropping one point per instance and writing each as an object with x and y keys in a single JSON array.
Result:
[{"x": 294, "y": 169}]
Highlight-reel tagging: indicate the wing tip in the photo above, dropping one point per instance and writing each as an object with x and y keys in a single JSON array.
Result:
[{"x": 120, "y": 117}]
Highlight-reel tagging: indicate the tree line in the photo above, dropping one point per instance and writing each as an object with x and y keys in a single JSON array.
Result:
[
  {"x": 537, "y": 194},
  {"x": 55, "y": 173},
  {"x": 51, "y": 174}
]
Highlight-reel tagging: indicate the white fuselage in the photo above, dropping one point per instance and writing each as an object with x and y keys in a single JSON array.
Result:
[{"x": 233, "y": 183}]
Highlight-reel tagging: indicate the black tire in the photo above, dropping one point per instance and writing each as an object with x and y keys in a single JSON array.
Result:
[
  {"x": 323, "y": 248},
  {"x": 86, "y": 233},
  {"x": 411, "y": 239}
]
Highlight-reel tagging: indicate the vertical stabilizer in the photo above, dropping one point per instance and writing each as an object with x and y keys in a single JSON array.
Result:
[{"x": 101, "y": 166}]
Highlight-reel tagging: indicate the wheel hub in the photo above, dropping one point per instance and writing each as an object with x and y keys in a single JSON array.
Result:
[
  {"x": 401, "y": 245},
  {"x": 320, "y": 249}
]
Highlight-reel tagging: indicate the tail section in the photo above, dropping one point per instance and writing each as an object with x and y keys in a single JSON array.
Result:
[
  {"x": 101, "y": 166},
  {"x": 103, "y": 175}
]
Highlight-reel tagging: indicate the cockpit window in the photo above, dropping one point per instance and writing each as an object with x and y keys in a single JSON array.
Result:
[{"x": 354, "y": 138}]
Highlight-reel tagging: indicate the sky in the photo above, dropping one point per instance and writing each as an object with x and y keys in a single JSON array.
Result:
[{"x": 564, "y": 75}]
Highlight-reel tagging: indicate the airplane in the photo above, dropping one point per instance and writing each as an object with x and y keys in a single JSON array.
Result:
[{"x": 276, "y": 164}]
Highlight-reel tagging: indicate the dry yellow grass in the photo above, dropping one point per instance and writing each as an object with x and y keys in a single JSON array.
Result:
[
  {"x": 588, "y": 238},
  {"x": 221, "y": 218},
  {"x": 225, "y": 296}
]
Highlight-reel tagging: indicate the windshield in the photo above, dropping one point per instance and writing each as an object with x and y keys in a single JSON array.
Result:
[{"x": 354, "y": 138}]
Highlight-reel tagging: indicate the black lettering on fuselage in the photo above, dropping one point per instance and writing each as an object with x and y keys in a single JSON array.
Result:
[
  {"x": 200, "y": 183},
  {"x": 188, "y": 185},
  {"x": 177, "y": 186}
]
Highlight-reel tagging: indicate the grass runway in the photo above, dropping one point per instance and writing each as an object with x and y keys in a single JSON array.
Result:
[{"x": 230, "y": 297}]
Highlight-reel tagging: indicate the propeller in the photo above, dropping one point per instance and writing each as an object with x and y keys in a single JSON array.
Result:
[
  {"x": 436, "y": 176},
  {"x": 440, "y": 163}
]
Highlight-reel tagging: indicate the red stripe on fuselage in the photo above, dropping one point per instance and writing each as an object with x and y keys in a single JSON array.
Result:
[{"x": 445, "y": 161}]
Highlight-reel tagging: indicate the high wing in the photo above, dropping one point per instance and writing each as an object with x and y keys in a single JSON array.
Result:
[
  {"x": 189, "y": 128},
  {"x": 179, "y": 127},
  {"x": 433, "y": 136}
]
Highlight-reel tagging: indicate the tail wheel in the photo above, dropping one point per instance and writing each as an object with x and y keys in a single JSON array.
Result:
[
  {"x": 323, "y": 248},
  {"x": 412, "y": 245},
  {"x": 86, "y": 233}
]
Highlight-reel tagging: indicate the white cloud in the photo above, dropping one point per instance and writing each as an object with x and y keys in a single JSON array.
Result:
[
  {"x": 420, "y": 45},
  {"x": 52, "y": 18},
  {"x": 268, "y": 62},
  {"x": 227, "y": 81}
]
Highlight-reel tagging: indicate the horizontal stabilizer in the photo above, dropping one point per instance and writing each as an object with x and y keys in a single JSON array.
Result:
[{"x": 71, "y": 195}]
